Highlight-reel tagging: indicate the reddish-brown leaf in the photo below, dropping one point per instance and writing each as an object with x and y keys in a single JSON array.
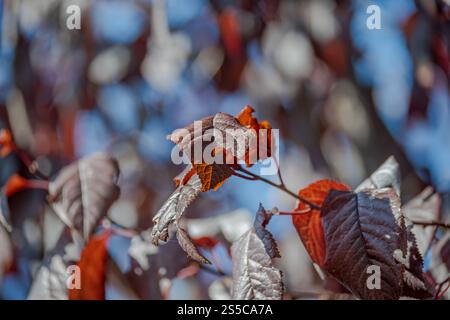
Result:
[
  {"x": 245, "y": 118},
  {"x": 93, "y": 263},
  {"x": 308, "y": 224},
  {"x": 174, "y": 207}
]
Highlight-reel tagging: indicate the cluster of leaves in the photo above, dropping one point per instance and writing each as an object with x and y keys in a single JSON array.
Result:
[
  {"x": 344, "y": 231},
  {"x": 80, "y": 196},
  {"x": 202, "y": 177},
  {"x": 312, "y": 95}
]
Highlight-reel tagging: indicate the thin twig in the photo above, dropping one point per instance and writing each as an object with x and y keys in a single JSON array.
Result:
[
  {"x": 119, "y": 229},
  {"x": 278, "y": 186},
  {"x": 431, "y": 242},
  {"x": 432, "y": 223},
  {"x": 243, "y": 177},
  {"x": 279, "y": 171}
]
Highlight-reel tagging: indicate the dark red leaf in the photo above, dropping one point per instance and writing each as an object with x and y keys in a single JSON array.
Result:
[{"x": 367, "y": 229}]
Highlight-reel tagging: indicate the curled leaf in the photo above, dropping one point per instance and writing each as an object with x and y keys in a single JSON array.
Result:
[
  {"x": 220, "y": 131},
  {"x": 226, "y": 140},
  {"x": 187, "y": 245},
  {"x": 174, "y": 207},
  {"x": 262, "y": 131}
]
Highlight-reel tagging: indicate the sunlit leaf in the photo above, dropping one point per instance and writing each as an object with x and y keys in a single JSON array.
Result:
[
  {"x": 174, "y": 207},
  {"x": 254, "y": 275}
]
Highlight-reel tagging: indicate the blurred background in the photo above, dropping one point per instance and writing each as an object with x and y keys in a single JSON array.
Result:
[{"x": 343, "y": 97}]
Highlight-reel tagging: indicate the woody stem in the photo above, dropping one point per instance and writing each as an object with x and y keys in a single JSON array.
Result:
[
  {"x": 279, "y": 171},
  {"x": 243, "y": 176},
  {"x": 291, "y": 213}
]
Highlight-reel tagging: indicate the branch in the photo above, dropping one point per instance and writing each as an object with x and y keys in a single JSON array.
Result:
[
  {"x": 278, "y": 186},
  {"x": 243, "y": 176},
  {"x": 432, "y": 223}
]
